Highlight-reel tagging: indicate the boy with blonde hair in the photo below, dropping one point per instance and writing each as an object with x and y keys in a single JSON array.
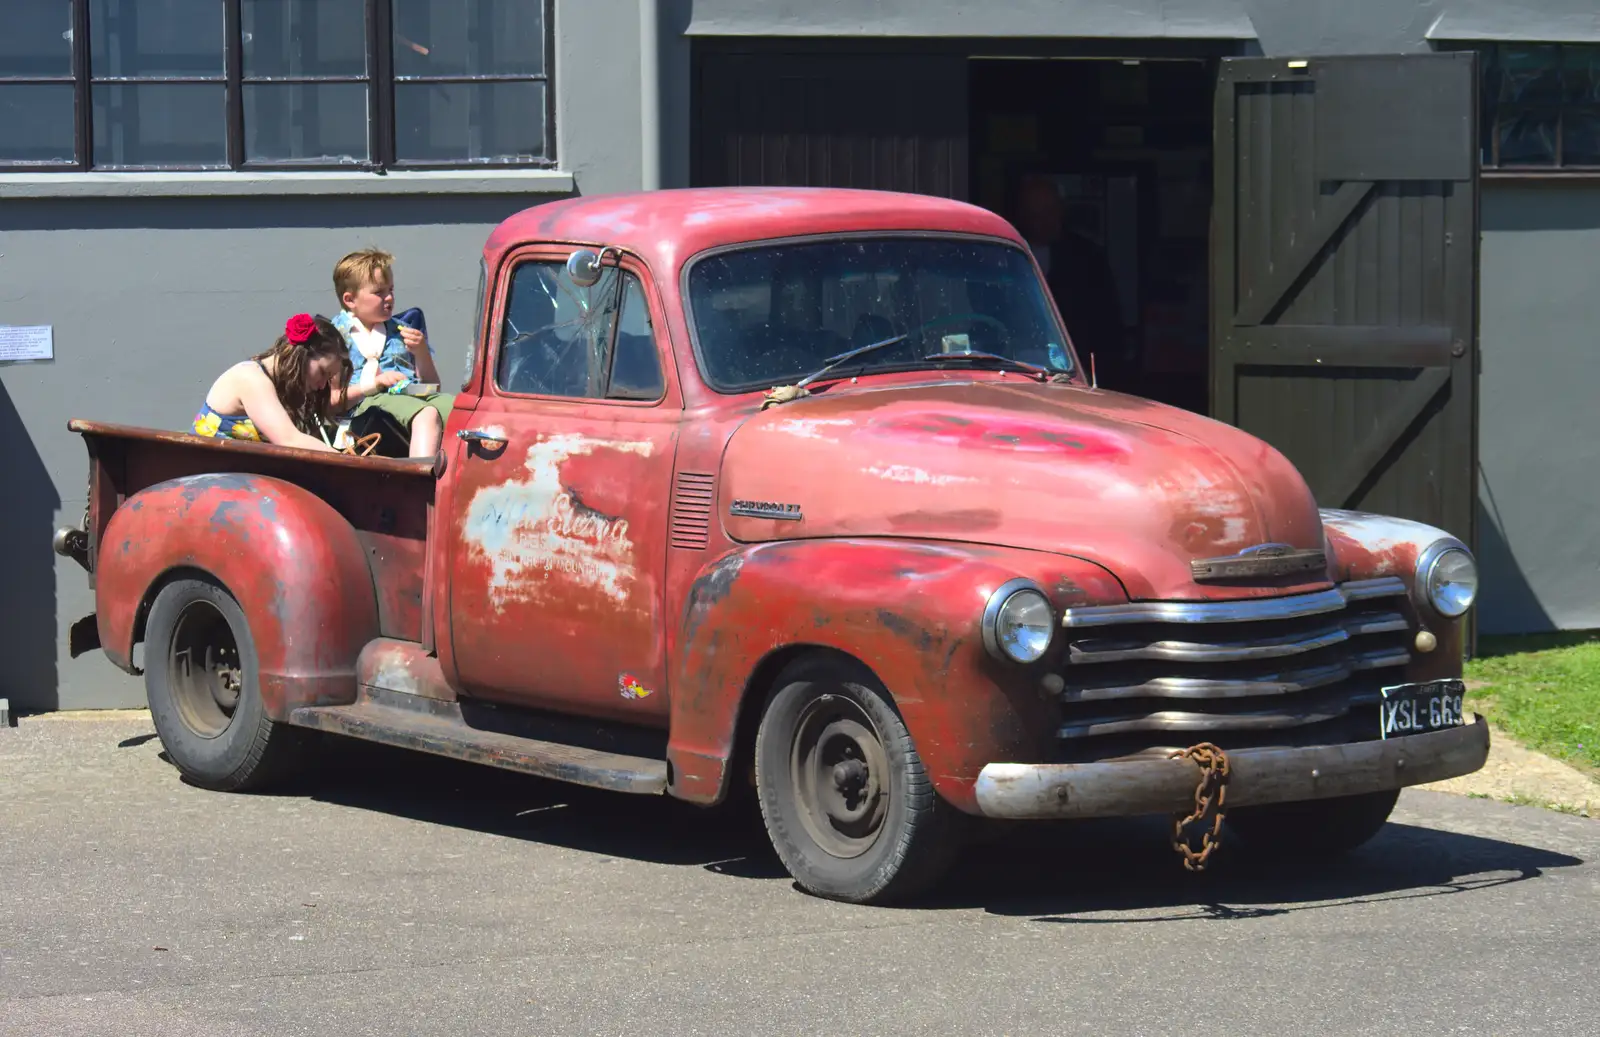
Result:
[{"x": 388, "y": 356}]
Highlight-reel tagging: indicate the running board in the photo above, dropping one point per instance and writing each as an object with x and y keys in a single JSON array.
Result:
[{"x": 433, "y": 726}]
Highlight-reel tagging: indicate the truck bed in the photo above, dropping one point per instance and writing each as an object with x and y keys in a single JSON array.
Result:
[{"x": 389, "y": 502}]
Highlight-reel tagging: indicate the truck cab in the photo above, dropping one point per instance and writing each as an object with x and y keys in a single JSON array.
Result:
[{"x": 803, "y": 492}]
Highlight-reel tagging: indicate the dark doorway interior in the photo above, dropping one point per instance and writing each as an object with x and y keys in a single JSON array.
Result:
[{"x": 1124, "y": 145}]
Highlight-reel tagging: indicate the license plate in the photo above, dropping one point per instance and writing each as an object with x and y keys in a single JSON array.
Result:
[{"x": 1411, "y": 709}]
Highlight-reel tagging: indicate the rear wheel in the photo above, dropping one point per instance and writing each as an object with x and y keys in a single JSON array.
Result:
[
  {"x": 201, "y": 680},
  {"x": 846, "y": 801},
  {"x": 1312, "y": 829}
]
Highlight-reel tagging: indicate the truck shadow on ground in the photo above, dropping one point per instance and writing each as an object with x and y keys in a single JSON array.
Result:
[
  {"x": 1089, "y": 872},
  {"x": 1125, "y": 871}
]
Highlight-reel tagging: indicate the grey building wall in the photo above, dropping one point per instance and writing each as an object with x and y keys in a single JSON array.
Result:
[
  {"x": 150, "y": 299},
  {"x": 154, "y": 283},
  {"x": 1539, "y": 427},
  {"x": 1540, "y": 282},
  {"x": 1400, "y": 26},
  {"x": 1280, "y": 26},
  {"x": 911, "y": 18}
]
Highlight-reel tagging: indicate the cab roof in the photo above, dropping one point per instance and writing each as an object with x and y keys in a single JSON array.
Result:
[{"x": 665, "y": 228}]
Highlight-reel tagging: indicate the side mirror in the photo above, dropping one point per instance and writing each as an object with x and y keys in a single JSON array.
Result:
[{"x": 583, "y": 266}]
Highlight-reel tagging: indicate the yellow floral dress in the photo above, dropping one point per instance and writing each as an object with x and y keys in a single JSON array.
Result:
[
  {"x": 213, "y": 425},
  {"x": 226, "y": 426}
]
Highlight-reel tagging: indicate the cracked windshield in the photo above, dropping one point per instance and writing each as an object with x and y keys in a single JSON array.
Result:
[{"x": 767, "y": 316}]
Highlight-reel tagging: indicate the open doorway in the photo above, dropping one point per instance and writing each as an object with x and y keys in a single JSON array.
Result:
[{"x": 1114, "y": 154}]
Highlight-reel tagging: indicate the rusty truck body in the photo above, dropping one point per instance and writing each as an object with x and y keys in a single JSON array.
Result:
[{"x": 802, "y": 493}]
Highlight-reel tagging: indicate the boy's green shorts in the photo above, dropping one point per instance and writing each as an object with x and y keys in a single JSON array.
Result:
[{"x": 404, "y": 409}]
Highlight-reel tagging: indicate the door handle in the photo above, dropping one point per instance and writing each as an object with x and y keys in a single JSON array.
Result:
[{"x": 478, "y": 435}]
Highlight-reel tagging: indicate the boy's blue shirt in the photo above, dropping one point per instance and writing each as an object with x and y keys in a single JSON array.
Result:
[{"x": 396, "y": 356}]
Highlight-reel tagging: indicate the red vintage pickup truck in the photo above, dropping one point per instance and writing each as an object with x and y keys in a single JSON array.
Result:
[{"x": 804, "y": 492}]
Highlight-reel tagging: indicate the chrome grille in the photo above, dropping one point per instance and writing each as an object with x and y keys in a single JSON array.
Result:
[{"x": 1153, "y": 675}]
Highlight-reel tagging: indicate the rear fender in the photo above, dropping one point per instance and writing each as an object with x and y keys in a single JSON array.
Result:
[
  {"x": 908, "y": 610},
  {"x": 293, "y": 563}
]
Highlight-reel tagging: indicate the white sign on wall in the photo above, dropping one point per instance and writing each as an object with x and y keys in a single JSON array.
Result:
[{"x": 23, "y": 344}]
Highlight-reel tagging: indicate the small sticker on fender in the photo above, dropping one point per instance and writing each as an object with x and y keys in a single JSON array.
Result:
[{"x": 632, "y": 689}]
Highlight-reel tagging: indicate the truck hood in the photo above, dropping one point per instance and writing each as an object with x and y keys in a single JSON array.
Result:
[{"x": 1138, "y": 487}]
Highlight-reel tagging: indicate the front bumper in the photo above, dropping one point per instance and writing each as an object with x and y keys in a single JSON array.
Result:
[{"x": 1036, "y": 791}]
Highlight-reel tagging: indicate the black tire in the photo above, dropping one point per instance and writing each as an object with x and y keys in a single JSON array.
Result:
[
  {"x": 201, "y": 680},
  {"x": 867, "y": 827},
  {"x": 1313, "y": 829}
]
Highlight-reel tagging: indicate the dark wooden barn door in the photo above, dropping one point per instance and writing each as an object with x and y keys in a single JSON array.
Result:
[
  {"x": 1345, "y": 275},
  {"x": 883, "y": 120}
]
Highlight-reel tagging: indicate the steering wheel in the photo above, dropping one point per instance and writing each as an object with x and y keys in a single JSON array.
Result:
[{"x": 976, "y": 318}]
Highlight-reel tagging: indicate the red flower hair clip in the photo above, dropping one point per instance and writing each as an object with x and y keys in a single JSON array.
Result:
[{"x": 300, "y": 328}]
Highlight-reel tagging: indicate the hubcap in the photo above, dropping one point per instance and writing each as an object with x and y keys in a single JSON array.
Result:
[
  {"x": 204, "y": 669},
  {"x": 839, "y": 773}
]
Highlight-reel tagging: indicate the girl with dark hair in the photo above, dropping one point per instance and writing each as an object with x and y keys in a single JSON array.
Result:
[{"x": 283, "y": 395}]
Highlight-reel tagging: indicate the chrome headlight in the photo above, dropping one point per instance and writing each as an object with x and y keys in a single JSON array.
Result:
[
  {"x": 1447, "y": 578},
  {"x": 1018, "y": 622}
]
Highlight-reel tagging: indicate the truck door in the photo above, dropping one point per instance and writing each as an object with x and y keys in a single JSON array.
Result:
[
  {"x": 1345, "y": 275},
  {"x": 558, "y": 514}
]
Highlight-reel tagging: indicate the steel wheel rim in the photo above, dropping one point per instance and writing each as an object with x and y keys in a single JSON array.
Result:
[
  {"x": 839, "y": 774},
  {"x": 204, "y": 671}
]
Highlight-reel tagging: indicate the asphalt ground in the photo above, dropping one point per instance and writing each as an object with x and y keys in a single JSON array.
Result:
[{"x": 399, "y": 894}]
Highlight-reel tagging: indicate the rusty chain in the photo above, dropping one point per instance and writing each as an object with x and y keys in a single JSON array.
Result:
[{"x": 1208, "y": 796}]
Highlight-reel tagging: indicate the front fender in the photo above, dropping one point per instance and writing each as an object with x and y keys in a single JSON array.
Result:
[
  {"x": 1364, "y": 546},
  {"x": 293, "y": 563},
  {"x": 909, "y": 610}
]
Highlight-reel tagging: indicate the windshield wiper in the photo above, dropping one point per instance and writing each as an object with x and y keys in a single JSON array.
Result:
[
  {"x": 835, "y": 361},
  {"x": 1044, "y": 373}
]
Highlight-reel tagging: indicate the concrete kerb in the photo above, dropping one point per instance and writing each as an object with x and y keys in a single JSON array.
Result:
[{"x": 68, "y": 715}]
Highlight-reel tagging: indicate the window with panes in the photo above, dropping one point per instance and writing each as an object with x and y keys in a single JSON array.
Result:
[
  {"x": 274, "y": 84},
  {"x": 1540, "y": 106}
]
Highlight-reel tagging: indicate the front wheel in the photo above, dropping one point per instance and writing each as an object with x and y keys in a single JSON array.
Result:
[
  {"x": 846, "y": 801},
  {"x": 1312, "y": 829},
  {"x": 201, "y": 680}
]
